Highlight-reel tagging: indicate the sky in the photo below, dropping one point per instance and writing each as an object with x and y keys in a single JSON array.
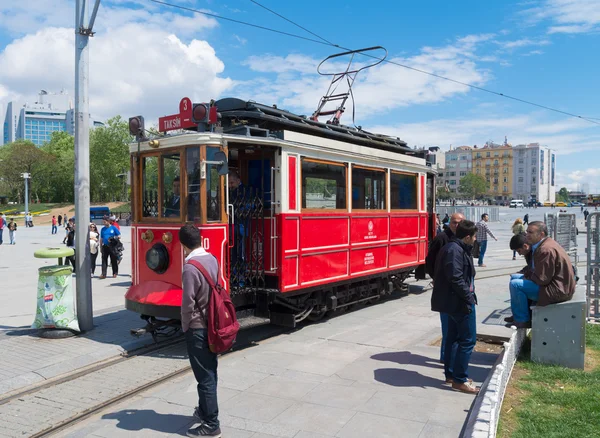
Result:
[{"x": 145, "y": 57}]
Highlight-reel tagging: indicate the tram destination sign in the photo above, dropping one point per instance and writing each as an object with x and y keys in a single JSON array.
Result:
[{"x": 182, "y": 120}]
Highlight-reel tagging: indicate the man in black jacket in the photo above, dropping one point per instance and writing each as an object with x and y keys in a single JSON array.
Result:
[
  {"x": 438, "y": 243},
  {"x": 454, "y": 294}
]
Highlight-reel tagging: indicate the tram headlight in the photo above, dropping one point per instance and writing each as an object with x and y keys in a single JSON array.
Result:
[{"x": 157, "y": 258}]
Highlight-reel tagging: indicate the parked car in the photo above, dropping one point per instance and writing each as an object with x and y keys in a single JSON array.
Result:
[{"x": 561, "y": 204}]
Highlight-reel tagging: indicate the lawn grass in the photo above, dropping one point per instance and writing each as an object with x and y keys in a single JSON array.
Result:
[
  {"x": 33, "y": 208},
  {"x": 125, "y": 208},
  {"x": 551, "y": 401}
]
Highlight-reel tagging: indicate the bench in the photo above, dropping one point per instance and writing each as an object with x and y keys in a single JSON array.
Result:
[{"x": 558, "y": 332}]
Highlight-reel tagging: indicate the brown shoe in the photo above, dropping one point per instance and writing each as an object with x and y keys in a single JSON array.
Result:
[
  {"x": 481, "y": 266},
  {"x": 451, "y": 380},
  {"x": 102, "y": 277},
  {"x": 114, "y": 275},
  {"x": 467, "y": 387}
]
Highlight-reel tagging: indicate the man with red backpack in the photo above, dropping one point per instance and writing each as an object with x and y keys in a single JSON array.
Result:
[{"x": 195, "y": 309}]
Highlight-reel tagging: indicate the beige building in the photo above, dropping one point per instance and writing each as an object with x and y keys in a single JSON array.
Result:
[{"x": 495, "y": 163}]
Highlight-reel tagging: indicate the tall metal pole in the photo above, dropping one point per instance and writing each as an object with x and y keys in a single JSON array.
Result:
[
  {"x": 83, "y": 280},
  {"x": 26, "y": 177}
]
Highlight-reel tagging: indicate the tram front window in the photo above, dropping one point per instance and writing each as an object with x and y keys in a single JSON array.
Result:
[
  {"x": 150, "y": 187},
  {"x": 193, "y": 184},
  {"x": 171, "y": 186}
]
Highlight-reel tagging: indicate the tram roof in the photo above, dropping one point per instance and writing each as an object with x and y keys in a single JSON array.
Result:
[{"x": 234, "y": 110}]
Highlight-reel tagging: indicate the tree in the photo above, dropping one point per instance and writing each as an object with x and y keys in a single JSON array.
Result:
[
  {"x": 20, "y": 157},
  {"x": 473, "y": 186},
  {"x": 58, "y": 181},
  {"x": 562, "y": 195},
  {"x": 109, "y": 157},
  {"x": 442, "y": 194}
]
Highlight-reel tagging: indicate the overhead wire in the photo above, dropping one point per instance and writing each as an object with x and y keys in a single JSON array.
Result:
[{"x": 325, "y": 42}]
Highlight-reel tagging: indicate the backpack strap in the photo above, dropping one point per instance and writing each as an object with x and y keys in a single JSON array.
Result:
[{"x": 204, "y": 272}]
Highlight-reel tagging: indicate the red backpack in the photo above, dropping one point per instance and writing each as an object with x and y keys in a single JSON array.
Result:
[{"x": 221, "y": 322}]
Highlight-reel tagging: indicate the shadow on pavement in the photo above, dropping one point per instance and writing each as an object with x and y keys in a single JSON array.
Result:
[
  {"x": 407, "y": 378},
  {"x": 140, "y": 419},
  {"x": 496, "y": 317}
]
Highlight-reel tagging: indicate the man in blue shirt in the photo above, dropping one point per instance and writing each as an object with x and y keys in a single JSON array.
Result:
[{"x": 108, "y": 233}]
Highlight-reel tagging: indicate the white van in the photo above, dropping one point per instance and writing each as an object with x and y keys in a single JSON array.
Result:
[{"x": 516, "y": 203}]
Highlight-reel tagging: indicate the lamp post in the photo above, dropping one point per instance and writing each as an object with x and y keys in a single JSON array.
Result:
[{"x": 26, "y": 178}]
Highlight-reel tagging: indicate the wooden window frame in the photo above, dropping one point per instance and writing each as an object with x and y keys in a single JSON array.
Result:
[
  {"x": 345, "y": 165},
  {"x": 386, "y": 189},
  {"x": 416, "y": 175}
]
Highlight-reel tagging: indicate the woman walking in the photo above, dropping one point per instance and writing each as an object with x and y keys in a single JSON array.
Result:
[
  {"x": 107, "y": 234},
  {"x": 12, "y": 231},
  {"x": 517, "y": 228},
  {"x": 94, "y": 235}
]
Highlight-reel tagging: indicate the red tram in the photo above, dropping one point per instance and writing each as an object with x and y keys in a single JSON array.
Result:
[{"x": 304, "y": 217}]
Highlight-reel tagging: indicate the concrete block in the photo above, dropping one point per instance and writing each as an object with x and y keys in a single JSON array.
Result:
[{"x": 558, "y": 333}]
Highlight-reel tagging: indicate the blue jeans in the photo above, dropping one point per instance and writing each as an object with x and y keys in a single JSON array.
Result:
[
  {"x": 444, "y": 320},
  {"x": 462, "y": 330},
  {"x": 1, "y": 233},
  {"x": 482, "y": 248},
  {"x": 204, "y": 364},
  {"x": 54, "y": 229},
  {"x": 522, "y": 290}
]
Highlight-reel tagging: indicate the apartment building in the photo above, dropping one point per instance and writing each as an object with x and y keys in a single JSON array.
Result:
[
  {"x": 495, "y": 163},
  {"x": 458, "y": 164},
  {"x": 534, "y": 173}
]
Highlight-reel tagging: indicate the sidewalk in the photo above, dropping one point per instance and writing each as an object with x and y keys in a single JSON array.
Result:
[{"x": 368, "y": 373}]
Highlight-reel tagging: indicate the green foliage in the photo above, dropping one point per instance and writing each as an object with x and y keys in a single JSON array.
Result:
[
  {"x": 22, "y": 157},
  {"x": 326, "y": 187},
  {"x": 562, "y": 195},
  {"x": 58, "y": 179},
  {"x": 473, "y": 186},
  {"x": 109, "y": 157},
  {"x": 442, "y": 194}
]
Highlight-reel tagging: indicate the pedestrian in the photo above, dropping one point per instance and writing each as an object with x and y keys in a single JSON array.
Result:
[
  {"x": 94, "y": 235},
  {"x": 2, "y": 225},
  {"x": 194, "y": 304},
  {"x": 482, "y": 232},
  {"x": 549, "y": 280},
  {"x": 446, "y": 219},
  {"x": 107, "y": 234},
  {"x": 517, "y": 228},
  {"x": 114, "y": 222},
  {"x": 526, "y": 219},
  {"x": 454, "y": 295},
  {"x": 60, "y": 220},
  {"x": 12, "y": 231},
  {"x": 585, "y": 214},
  {"x": 438, "y": 225},
  {"x": 436, "y": 245},
  {"x": 70, "y": 241},
  {"x": 54, "y": 222},
  {"x": 582, "y": 208}
]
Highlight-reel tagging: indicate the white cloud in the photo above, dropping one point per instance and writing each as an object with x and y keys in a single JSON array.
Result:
[
  {"x": 133, "y": 69},
  {"x": 565, "y": 136},
  {"x": 523, "y": 42},
  {"x": 292, "y": 82},
  {"x": 567, "y": 16}
]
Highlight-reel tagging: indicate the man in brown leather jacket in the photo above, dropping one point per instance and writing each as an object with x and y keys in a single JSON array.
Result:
[{"x": 550, "y": 279}]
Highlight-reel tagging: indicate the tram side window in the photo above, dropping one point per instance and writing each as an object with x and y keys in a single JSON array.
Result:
[
  {"x": 171, "y": 184},
  {"x": 150, "y": 187},
  {"x": 323, "y": 185},
  {"x": 368, "y": 189},
  {"x": 213, "y": 187},
  {"x": 193, "y": 181},
  {"x": 403, "y": 191}
]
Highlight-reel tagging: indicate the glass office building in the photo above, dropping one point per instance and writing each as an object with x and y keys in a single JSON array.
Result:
[{"x": 38, "y": 125}]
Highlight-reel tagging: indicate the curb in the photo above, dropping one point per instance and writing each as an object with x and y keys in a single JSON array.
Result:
[{"x": 482, "y": 420}]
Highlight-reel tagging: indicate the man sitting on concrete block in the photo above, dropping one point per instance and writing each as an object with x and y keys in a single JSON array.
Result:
[{"x": 548, "y": 280}]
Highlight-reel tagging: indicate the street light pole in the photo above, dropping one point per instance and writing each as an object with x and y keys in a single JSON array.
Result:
[
  {"x": 83, "y": 282},
  {"x": 26, "y": 178}
]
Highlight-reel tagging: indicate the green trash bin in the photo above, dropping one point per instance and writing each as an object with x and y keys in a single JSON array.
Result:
[{"x": 56, "y": 305}]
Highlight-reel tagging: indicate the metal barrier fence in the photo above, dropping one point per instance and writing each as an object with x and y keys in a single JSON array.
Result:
[
  {"x": 470, "y": 213},
  {"x": 562, "y": 227},
  {"x": 593, "y": 266}
]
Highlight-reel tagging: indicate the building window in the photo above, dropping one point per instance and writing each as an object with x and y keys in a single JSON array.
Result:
[
  {"x": 463, "y": 157},
  {"x": 505, "y": 180},
  {"x": 505, "y": 162},
  {"x": 505, "y": 189},
  {"x": 368, "y": 189},
  {"x": 495, "y": 180},
  {"x": 520, "y": 179},
  {"x": 496, "y": 154},
  {"x": 452, "y": 182},
  {"x": 452, "y": 157},
  {"x": 487, "y": 154},
  {"x": 452, "y": 174},
  {"x": 403, "y": 189},
  {"x": 465, "y": 173},
  {"x": 323, "y": 185},
  {"x": 478, "y": 155},
  {"x": 495, "y": 162}
]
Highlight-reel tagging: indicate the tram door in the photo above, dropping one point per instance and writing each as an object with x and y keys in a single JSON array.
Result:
[
  {"x": 250, "y": 186},
  {"x": 431, "y": 225}
]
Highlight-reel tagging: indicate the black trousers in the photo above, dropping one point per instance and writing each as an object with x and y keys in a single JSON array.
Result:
[
  {"x": 70, "y": 261},
  {"x": 94, "y": 257},
  {"x": 106, "y": 253},
  {"x": 204, "y": 364}
]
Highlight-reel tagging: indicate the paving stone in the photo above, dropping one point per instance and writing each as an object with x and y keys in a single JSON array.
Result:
[
  {"x": 283, "y": 387},
  {"x": 255, "y": 406},
  {"x": 304, "y": 434},
  {"x": 434, "y": 431},
  {"x": 337, "y": 396},
  {"x": 369, "y": 425},
  {"x": 314, "y": 418},
  {"x": 238, "y": 379}
]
